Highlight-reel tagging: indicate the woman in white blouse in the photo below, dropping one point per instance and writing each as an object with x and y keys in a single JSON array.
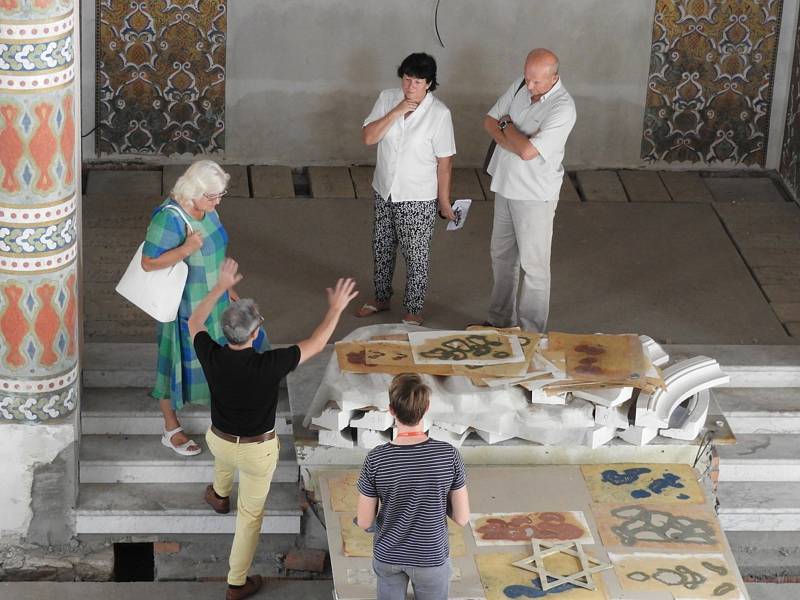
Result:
[{"x": 414, "y": 133}]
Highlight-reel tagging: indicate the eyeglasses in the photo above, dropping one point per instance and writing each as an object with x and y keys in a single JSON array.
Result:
[{"x": 215, "y": 196}]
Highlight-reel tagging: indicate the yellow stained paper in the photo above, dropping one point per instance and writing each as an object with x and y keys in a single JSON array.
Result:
[
  {"x": 601, "y": 357},
  {"x": 630, "y": 482},
  {"x": 683, "y": 576},
  {"x": 682, "y": 527},
  {"x": 343, "y": 491},
  {"x": 502, "y": 580}
]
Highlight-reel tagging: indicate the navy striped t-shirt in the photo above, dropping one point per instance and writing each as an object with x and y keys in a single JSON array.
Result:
[{"x": 412, "y": 483}]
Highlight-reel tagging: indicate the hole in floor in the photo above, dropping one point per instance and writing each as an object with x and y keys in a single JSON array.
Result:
[
  {"x": 134, "y": 562},
  {"x": 302, "y": 184}
]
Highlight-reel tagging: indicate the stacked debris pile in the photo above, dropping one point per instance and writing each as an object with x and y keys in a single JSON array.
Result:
[{"x": 552, "y": 389}]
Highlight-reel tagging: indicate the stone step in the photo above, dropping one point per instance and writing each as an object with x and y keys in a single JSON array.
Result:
[
  {"x": 131, "y": 411},
  {"x": 286, "y": 589},
  {"x": 142, "y": 459},
  {"x": 749, "y": 366},
  {"x": 773, "y": 591},
  {"x": 766, "y": 555},
  {"x": 126, "y": 364},
  {"x": 760, "y": 410},
  {"x": 177, "y": 508},
  {"x": 759, "y": 506},
  {"x": 760, "y": 457}
]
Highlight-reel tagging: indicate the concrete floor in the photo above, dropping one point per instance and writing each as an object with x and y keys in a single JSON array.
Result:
[
  {"x": 283, "y": 589},
  {"x": 668, "y": 270}
]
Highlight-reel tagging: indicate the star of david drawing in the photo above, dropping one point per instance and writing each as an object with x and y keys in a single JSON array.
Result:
[{"x": 581, "y": 578}]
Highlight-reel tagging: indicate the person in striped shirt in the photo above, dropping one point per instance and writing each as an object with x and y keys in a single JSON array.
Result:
[{"x": 407, "y": 487}]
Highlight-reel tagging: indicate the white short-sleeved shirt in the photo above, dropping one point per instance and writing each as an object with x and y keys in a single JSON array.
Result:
[
  {"x": 406, "y": 166},
  {"x": 547, "y": 123}
]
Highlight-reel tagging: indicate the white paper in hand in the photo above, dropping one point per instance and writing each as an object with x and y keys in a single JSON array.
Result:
[{"x": 461, "y": 209}]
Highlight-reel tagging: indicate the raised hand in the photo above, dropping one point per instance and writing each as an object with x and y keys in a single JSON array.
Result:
[
  {"x": 340, "y": 296},
  {"x": 229, "y": 274}
]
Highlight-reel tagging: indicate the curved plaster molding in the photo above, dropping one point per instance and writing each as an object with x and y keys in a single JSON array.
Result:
[
  {"x": 654, "y": 351},
  {"x": 694, "y": 420},
  {"x": 682, "y": 380}
]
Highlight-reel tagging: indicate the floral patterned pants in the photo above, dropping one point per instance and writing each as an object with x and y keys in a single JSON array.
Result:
[{"x": 409, "y": 225}]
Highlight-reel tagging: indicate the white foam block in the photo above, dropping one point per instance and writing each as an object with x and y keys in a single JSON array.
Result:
[
  {"x": 379, "y": 420},
  {"x": 334, "y": 418},
  {"x": 369, "y": 438},
  {"x": 616, "y": 416},
  {"x": 334, "y": 437},
  {"x": 452, "y": 427},
  {"x": 600, "y": 436},
  {"x": 612, "y": 396},
  {"x": 492, "y": 438},
  {"x": 438, "y": 433},
  {"x": 638, "y": 436}
]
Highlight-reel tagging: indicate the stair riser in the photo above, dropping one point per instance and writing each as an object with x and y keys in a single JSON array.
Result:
[
  {"x": 284, "y": 473},
  {"x": 757, "y": 521},
  {"x": 99, "y": 425},
  {"x": 141, "y": 524},
  {"x": 120, "y": 379},
  {"x": 759, "y": 472},
  {"x": 763, "y": 424}
]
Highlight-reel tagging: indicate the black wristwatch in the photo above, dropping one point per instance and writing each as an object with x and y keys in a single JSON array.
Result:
[{"x": 502, "y": 125}]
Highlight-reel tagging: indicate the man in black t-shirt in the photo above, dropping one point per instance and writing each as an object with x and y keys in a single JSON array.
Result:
[{"x": 244, "y": 395}]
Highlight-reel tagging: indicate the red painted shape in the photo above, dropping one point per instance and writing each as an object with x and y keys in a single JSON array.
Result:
[
  {"x": 47, "y": 323},
  {"x": 68, "y": 138},
  {"x": 43, "y": 146},
  {"x": 42, "y": 3},
  {"x": 70, "y": 315},
  {"x": 10, "y": 148},
  {"x": 13, "y": 325},
  {"x": 8, "y": 4}
]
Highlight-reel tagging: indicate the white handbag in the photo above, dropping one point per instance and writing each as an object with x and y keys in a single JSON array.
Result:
[{"x": 158, "y": 293}]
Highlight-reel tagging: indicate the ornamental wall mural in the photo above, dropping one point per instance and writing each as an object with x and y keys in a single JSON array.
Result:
[
  {"x": 39, "y": 185},
  {"x": 161, "y": 76},
  {"x": 710, "y": 86},
  {"x": 790, "y": 152}
]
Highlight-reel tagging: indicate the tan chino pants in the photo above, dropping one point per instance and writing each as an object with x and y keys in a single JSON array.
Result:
[{"x": 256, "y": 464}]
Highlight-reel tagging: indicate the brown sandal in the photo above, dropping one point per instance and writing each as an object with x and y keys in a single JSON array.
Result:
[{"x": 368, "y": 309}]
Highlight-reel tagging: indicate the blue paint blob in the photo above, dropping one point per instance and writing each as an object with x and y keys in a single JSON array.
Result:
[
  {"x": 669, "y": 480},
  {"x": 640, "y": 494},
  {"x": 626, "y": 477},
  {"x": 535, "y": 591},
  {"x": 683, "y": 497}
]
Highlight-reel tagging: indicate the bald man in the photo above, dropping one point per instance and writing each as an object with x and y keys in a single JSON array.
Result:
[{"x": 530, "y": 123}]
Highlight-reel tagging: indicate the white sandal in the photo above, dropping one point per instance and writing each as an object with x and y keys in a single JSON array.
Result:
[{"x": 183, "y": 449}]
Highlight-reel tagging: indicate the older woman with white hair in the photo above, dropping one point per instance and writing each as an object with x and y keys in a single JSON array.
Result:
[{"x": 180, "y": 379}]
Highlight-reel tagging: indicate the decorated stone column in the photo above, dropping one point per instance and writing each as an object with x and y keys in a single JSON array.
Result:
[{"x": 39, "y": 200}]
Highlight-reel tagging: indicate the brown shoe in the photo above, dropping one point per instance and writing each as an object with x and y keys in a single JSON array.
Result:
[
  {"x": 220, "y": 505},
  {"x": 251, "y": 586}
]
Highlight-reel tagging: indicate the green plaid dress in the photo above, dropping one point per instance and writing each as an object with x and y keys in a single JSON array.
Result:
[{"x": 179, "y": 374}]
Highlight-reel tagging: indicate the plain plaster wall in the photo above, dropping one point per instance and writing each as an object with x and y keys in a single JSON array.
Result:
[
  {"x": 302, "y": 75},
  {"x": 24, "y": 448}
]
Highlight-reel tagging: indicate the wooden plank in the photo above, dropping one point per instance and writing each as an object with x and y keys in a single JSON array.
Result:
[
  {"x": 685, "y": 186},
  {"x": 782, "y": 293},
  {"x": 601, "y": 186},
  {"x": 743, "y": 189},
  {"x": 777, "y": 276},
  {"x": 124, "y": 184},
  {"x": 271, "y": 181},
  {"x": 644, "y": 186},
  {"x": 331, "y": 182},
  {"x": 772, "y": 257},
  {"x": 362, "y": 179}
]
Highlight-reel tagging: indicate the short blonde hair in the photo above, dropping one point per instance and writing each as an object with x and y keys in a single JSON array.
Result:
[{"x": 202, "y": 177}]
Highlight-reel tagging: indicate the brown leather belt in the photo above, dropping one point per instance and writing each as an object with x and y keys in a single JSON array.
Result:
[{"x": 243, "y": 439}]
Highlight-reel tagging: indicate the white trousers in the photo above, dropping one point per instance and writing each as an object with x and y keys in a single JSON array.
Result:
[{"x": 522, "y": 233}]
